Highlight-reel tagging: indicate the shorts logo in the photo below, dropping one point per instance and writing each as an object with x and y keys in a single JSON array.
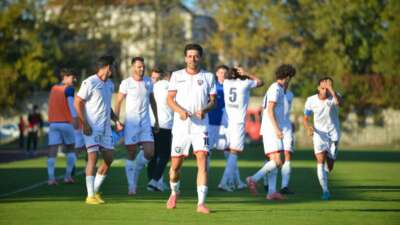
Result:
[
  {"x": 178, "y": 150},
  {"x": 200, "y": 82}
]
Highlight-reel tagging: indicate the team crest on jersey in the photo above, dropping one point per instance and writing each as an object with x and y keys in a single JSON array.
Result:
[
  {"x": 200, "y": 82},
  {"x": 178, "y": 150}
]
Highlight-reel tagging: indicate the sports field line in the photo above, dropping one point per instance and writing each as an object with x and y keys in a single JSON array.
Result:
[{"x": 41, "y": 183}]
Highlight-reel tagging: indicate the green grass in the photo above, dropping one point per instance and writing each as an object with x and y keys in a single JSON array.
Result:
[{"x": 365, "y": 188}]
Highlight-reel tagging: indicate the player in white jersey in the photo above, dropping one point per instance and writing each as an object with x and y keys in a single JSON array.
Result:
[
  {"x": 237, "y": 89},
  {"x": 325, "y": 130},
  {"x": 191, "y": 96},
  {"x": 162, "y": 139},
  {"x": 271, "y": 129},
  {"x": 288, "y": 146},
  {"x": 93, "y": 106},
  {"x": 138, "y": 91}
]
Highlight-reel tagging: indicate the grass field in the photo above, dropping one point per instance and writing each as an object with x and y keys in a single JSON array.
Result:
[{"x": 365, "y": 188}]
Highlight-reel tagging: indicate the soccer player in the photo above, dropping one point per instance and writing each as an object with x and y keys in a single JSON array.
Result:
[
  {"x": 162, "y": 139},
  {"x": 237, "y": 89},
  {"x": 93, "y": 106},
  {"x": 191, "y": 95},
  {"x": 138, "y": 91},
  {"x": 325, "y": 130},
  {"x": 288, "y": 146},
  {"x": 62, "y": 118},
  {"x": 271, "y": 129}
]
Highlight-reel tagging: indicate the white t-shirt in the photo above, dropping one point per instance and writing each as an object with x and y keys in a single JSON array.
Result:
[
  {"x": 325, "y": 113},
  {"x": 192, "y": 94},
  {"x": 236, "y": 96},
  {"x": 275, "y": 93},
  {"x": 137, "y": 98},
  {"x": 164, "y": 112},
  {"x": 287, "y": 109},
  {"x": 97, "y": 95}
]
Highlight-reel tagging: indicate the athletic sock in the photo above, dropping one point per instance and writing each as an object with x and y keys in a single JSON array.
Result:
[
  {"x": 265, "y": 178},
  {"x": 322, "y": 177},
  {"x": 285, "y": 171},
  {"x": 90, "y": 186},
  {"x": 98, "y": 180},
  {"x": 201, "y": 194},
  {"x": 141, "y": 162},
  {"x": 270, "y": 165},
  {"x": 272, "y": 180},
  {"x": 71, "y": 159},
  {"x": 231, "y": 165},
  {"x": 174, "y": 187},
  {"x": 50, "y": 167},
  {"x": 129, "y": 170}
]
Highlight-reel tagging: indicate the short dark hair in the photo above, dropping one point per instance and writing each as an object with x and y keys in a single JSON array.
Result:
[
  {"x": 165, "y": 74},
  {"x": 193, "y": 46},
  {"x": 137, "y": 58},
  {"x": 285, "y": 70},
  {"x": 105, "y": 60},
  {"x": 67, "y": 72},
  {"x": 225, "y": 67},
  {"x": 324, "y": 79},
  {"x": 157, "y": 70}
]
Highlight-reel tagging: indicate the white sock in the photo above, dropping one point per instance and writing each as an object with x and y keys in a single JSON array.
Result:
[
  {"x": 201, "y": 194},
  {"x": 237, "y": 174},
  {"x": 322, "y": 177},
  {"x": 129, "y": 170},
  {"x": 141, "y": 162},
  {"x": 50, "y": 168},
  {"x": 270, "y": 165},
  {"x": 98, "y": 180},
  {"x": 266, "y": 176},
  {"x": 90, "y": 185},
  {"x": 231, "y": 167},
  {"x": 174, "y": 187},
  {"x": 272, "y": 180},
  {"x": 71, "y": 159},
  {"x": 285, "y": 171}
]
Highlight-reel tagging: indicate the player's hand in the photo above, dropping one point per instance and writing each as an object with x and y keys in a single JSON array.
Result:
[
  {"x": 75, "y": 123},
  {"x": 183, "y": 115},
  {"x": 156, "y": 127},
  {"x": 241, "y": 71},
  {"x": 200, "y": 114},
  {"x": 279, "y": 134},
  {"x": 310, "y": 131},
  {"x": 87, "y": 130},
  {"x": 119, "y": 126}
]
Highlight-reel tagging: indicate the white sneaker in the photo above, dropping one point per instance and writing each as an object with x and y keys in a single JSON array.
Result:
[
  {"x": 162, "y": 186},
  {"x": 224, "y": 187},
  {"x": 241, "y": 185},
  {"x": 152, "y": 186}
]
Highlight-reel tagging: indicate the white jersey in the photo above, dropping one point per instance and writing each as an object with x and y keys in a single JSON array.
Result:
[
  {"x": 192, "y": 94},
  {"x": 275, "y": 93},
  {"x": 325, "y": 112},
  {"x": 137, "y": 98},
  {"x": 164, "y": 112},
  {"x": 97, "y": 95},
  {"x": 236, "y": 96},
  {"x": 287, "y": 109}
]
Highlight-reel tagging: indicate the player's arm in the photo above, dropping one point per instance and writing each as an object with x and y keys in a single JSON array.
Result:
[
  {"x": 175, "y": 107},
  {"x": 210, "y": 105},
  {"x": 242, "y": 72},
  {"x": 337, "y": 100},
  {"x": 153, "y": 106},
  {"x": 118, "y": 125},
  {"x": 272, "y": 118},
  {"x": 79, "y": 104},
  {"x": 69, "y": 93},
  {"x": 115, "y": 114},
  {"x": 306, "y": 122}
]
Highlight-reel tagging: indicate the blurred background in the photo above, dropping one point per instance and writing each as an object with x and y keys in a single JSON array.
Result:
[{"x": 355, "y": 42}]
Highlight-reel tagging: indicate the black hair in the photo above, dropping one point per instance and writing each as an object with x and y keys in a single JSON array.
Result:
[
  {"x": 157, "y": 70},
  {"x": 324, "y": 79},
  {"x": 137, "y": 58},
  {"x": 105, "y": 60},
  {"x": 196, "y": 47},
  {"x": 225, "y": 67},
  {"x": 67, "y": 72},
  {"x": 233, "y": 73},
  {"x": 285, "y": 70}
]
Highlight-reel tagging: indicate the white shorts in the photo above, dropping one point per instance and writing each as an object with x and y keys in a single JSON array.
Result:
[
  {"x": 181, "y": 144},
  {"x": 288, "y": 140},
  {"x": 326, "y": 141},
  {"x": 272, "y": 143},
  {"x": 96, "y": 141},
  {"x": 236, "y": 136},
  {"x": 61, "y": 133},
  {"x": 217, "y": 138},
  {"x": 79, "y": 141},
  {"x": 137, "y": 133}
]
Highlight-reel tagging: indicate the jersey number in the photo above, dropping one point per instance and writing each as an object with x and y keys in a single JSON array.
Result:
[{"x": 232, "y": 95}]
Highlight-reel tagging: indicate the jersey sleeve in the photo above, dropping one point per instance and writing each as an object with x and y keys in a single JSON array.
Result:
[
  {"x": 69, "y": 91},
  {"x": 307, "y": 108},
  {"x": 85, "y": 91},
  {"x": 272, "y": 94},
  {"x": 213, "y": 87},
  {"x": 123, "y": 87},
  {"x": 151, "y": 86},
  {"x": 172, "y": 83}
]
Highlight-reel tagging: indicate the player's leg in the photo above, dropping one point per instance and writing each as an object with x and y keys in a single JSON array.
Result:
[
  {"x": 202, "y": 177},
  {"x": 102, "y": 171},
  {"x": 272, "y": 177},
  {"x": 285, "y": 172},
  {"x": 68, "y": 136},
  {"x": 130, "y": 168},
  {"x": 174, "y": 180},
  {"x": 164, "y": 154},
  {"x": 321, "y": 173},
  {"x": 55, "y": 140},
  {"x": 90, "y": 172}
]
